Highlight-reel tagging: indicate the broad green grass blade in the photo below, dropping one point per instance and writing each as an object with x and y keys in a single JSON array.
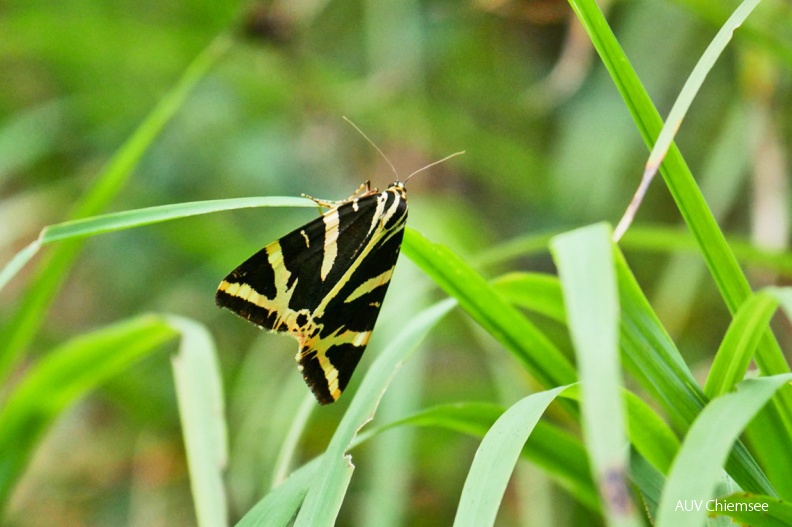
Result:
[
  {"x": 20, "y": 329},
  {"x": 767, "y": 511},
  {"x": 650, "y": 357},
  {"x": 650, "y": 435},
  {"x": 697, "y": 467},
  {"x": 495, "y": 459},
  {"x": 489, "y": 309},
  {"x": 64, "y": 376},
  {"x": 279, "y": 506},
  {"x": 560, "y": 454},
  {"x": 199, "y": 392},
  {"x": 682, "y": 105},
  {"x": 738, "y": 346},
  {"x": 721, "y": 262},
  {"x": 584, "y": 258},
  {"x": 537, "y": 292},
  {"x": 326, "y": 494}
]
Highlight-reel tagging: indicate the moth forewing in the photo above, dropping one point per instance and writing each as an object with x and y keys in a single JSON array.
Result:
[{"x": 324, "y": 284}]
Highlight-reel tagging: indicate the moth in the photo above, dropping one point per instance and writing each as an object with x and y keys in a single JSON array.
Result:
[{"x": 324, "y": 282}]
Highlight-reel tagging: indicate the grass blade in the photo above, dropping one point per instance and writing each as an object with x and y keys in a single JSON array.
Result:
[
  {"x": 488, "y": 308},
  {"x": 199, "y": 393},
  {"x": 697, "y": 467},
  {"x": 495, "y": 459},
  {"x": 549, "y": 447},
  {"x": 584, "y": 258},
  {"x": 682, "y": 105}
]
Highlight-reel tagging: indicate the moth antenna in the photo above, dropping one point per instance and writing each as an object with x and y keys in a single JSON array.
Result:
[
  {"x": 374, "y": 145},
  {"x": 446, "y": 158}
]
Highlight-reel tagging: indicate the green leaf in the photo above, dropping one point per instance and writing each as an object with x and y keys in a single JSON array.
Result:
[
  {"x": 199, "y": 392},
  {"x": 495, "y": 459},
  {"x": 740, "y": 342},
  {"x": 139, "y": 217},
  {"x": 488, "y": 308},
  {"x": 549, "y": 447},
  {"x": 64, "y": 376},
  {"x": 697, "y": 468},
  {"x": 584, "y": 258}
]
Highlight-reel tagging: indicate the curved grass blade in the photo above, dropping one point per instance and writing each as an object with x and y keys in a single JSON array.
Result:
[
  {"x": 495, "y": 459},
  {"x": 51, "y": 272},
  {"x": 139, "y": 217},
  {"x": 199, "y": 393},
  {"x": 697, "y": 467},
  {"x": 128, "y": 219},
  {"x": 488, "y": 308},
  {"x": 19, "y": 261},
  {"x": 64, "y": 376},
  {"x": 584, "y": 258},
  {"x": 560, "y": 454},
  {"x": 326, "y": 494},
  {"x": 681, "y": 106},
  {"x": 738, "y": 345}
]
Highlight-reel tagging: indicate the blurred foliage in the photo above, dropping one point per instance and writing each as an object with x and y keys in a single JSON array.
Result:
[{"x": 516, "y": 84}]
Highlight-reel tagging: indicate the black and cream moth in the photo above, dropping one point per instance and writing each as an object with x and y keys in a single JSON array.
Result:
[{"x": 324, "y": 284}]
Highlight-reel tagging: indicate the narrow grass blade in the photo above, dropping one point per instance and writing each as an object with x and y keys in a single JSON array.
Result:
[
  {"x": 292, "y": 439},
  {"x": 584, "y": 258},
  {"x": 489, "y": 309},
  {"x": 150, "y": 215},
  {"x": 326, "y": 494},
  {"x": 495, "y": 459},
  {"x": 651, "y": 358},
  {"x": 199, "y": 392},
  {"x": 682, "y": 105},
  {"x": 19, "y": 261},
  {"x": 51, "y": 272},
  {"x": 697, "y": 467},
  {"x": 279, "y": 506},
  {"x": 64, "y": 376}
]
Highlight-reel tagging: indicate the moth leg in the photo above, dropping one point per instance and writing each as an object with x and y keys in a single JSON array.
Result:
[{"x": 363, "y": 190}]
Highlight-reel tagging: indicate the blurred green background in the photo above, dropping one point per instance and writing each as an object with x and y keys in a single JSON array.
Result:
[{"x": 516, "y": 84}]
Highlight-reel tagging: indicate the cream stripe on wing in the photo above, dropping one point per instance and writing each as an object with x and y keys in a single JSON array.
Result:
[
  {"x": 331, "y": 238},
  {"x": 370, "y": 285}
]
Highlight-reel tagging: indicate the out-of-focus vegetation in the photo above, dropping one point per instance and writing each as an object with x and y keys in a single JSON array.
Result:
[{"x": 112, "y": 105}]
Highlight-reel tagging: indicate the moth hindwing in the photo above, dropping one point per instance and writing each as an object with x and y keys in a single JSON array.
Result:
[{"x": 324, "y": 284}]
